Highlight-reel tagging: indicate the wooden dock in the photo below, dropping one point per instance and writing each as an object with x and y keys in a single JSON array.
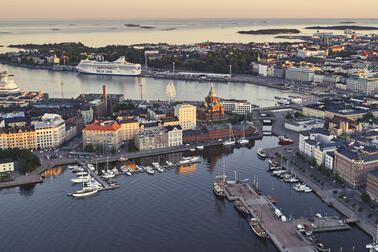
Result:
[{"x": 282, "y": 233}]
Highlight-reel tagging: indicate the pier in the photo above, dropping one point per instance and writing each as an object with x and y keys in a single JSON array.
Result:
[{"x": 282, "y": 233}]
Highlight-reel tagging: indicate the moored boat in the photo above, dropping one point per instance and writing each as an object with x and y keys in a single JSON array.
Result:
[
  {"x": 284, "y": 140},
  {"x": 200, "y": 147},
  {"x": 261, "y": 153},
  {"x": 239, "y": 206},
  {"x": 256, "y": 228},
  {"x": 321, "y": 247},
  {"x": 218, "y": 191},
  {"x": 85, "y": 192}
]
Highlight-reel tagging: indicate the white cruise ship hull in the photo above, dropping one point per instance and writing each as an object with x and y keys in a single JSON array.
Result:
[{"x": 119, "y": 67}]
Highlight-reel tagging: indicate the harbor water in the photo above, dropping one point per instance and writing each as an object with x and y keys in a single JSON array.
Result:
[{"x": 171, "y": 211}]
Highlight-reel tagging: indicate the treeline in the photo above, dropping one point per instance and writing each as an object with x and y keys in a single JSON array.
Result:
[
  {"x": 27, "y": 161},
  {"x": 218, "y": 61}
]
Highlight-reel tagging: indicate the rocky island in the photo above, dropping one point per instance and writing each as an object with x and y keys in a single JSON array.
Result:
[
  {"x": 342, "y": 27},
  {"x": 270, "y": 31}
]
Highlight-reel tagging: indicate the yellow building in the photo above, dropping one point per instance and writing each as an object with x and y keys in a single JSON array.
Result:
[
  {"x": 106, "y": 134},
  {"x": 187, "y": 115},
  {"x": 6, "y": 165},
  {"x": 23, "y": 138},
  {"x": 129, "y": 128},
  {"x": 170, "y": 121}
]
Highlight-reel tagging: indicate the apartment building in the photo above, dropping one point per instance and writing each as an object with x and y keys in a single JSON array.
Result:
[
  {"x": 50, "y": 131},
  {"x": 187, "y": 115},
  {"x": 107, "y": 134}
]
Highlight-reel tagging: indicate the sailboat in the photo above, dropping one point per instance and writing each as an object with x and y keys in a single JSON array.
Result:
[
  {"x": 243, "y": 140},
  {"x": 230, "y": 141},
  {"x": 84, "y": 192}
]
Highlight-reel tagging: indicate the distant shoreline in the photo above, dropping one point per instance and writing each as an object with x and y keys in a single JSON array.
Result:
[
  {"x": 343, "y": 27},
  {"x": 270, "y": 31}
]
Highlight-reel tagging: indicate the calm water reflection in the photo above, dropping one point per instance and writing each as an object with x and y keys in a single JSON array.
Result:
[{"x": 171, "y": 211}]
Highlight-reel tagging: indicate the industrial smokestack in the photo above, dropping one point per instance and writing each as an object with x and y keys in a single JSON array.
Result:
[{"x": 104, "y": 97}]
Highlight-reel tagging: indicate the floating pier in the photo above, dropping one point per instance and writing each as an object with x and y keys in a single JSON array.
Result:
[{"x": 282, "y": 233}]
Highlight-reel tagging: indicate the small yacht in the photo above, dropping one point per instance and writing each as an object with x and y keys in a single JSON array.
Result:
[
  {"x": 160, "y": 169},
  {"x": 80, "y": 179},
  {"x": 185, "y": 160},
  {"x": 194, "y": 159},
  {"x": 115, "y": 171},
  {"x": 83, "y": 173},
  {"x": 261, "y": 153},
  {"x": 84, "y": 192},
  {"x": 230, "y": 140},
  {"x": 91, "y": 167},
  {"x": 243, "y": 141},
  {"x": 169, "y": 163},
  {"x": 128, "y": 173},
  {"x": 149, "y": 170},
  {"x": 123, "y": 168},
  {"x": 78, "y": 169},
  {"x": 72, "y": 167},
  {"x": 155, "y": 164},
  {"x": 200, "y": 147}
]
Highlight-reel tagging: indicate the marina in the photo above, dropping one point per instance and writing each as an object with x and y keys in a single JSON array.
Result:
[{"x": 279, "y": 229}]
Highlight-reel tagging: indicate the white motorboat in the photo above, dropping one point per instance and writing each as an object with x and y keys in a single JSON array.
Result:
[
  {"x": 149, "y": 170},
  {"x": 72, "y": 167},
  {"x": 110, "y": 172},
  {"x": 155, "y": 164},
  {"x": 228, "y": 143},
  {"x": 83, "y": 173},
  {"x": 185, "y": 160},
  {"x": 91, "y": 167},
  {"x": 192, "y": 149},
  {"x": 243, "y": 141},
  {"x": 80, "y": 179},
  {"x": 123, "y": 168},
  {"x": 160, "y": 169},
  {"x": 115, "y": 171},
  {"x": 84, "y": 192},
  {"x": 194, "y": 159},
  {"x": 261, "y": 153},
  {"x": 169, "y": 163},
  {"x": 108, "y": 175},
  {"x": 78, "y": 169},
  {"x": 128, "y": 173},
  {"x": 200, "y": 147}
]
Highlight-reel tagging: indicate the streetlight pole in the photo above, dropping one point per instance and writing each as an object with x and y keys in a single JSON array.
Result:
[{"x": 230, "y": 70}]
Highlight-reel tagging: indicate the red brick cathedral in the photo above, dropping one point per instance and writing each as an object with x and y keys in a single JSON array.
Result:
[{"x": 212, "y": 107}]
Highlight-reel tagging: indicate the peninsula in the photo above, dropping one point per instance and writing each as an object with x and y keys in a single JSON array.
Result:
[
  {"x": 342, "y": 27},
  {"x": 270, "y": 31}
]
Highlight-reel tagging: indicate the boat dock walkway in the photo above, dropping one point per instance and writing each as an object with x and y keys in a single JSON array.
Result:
[
  {"x": 282, "y": 233},
  {"x": 105, "y": 185}
]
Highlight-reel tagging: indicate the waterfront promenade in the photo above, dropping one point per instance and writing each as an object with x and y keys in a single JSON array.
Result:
[{"x": 35, "y": 176}]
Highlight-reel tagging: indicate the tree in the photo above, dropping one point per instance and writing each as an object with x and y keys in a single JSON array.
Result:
[
  {"x": 89, "y": 148},
  {"x": 288, "y": 116},
  {"x": 313, "y": 162},
  {"x": 113, "y": 151},
  {"x": 368, "y": 116},
  {"x": 298, "y": 114},
  {"x": 326, "y": 124},
  {"x": 365, "y": 197}
]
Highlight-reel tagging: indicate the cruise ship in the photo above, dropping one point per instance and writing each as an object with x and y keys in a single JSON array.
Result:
[
  {"x": 118, "y": 67},
  {"x": 7, "y": 85}
]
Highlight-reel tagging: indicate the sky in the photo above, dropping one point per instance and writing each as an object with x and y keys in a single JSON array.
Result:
[{"x": 125, "y": 9}]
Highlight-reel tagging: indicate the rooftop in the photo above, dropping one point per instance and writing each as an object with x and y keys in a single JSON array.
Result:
[{"x": 103, "y": 126}]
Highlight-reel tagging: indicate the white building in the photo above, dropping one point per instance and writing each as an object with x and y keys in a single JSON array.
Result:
[
  {"x": 368, "y": 86},
  {"x": 310, "y": 53},
  {"x": 328, "y": 163},
  {"x": 50, "y": 131},
  {"x": 174, "y": 135},
  {"x": 309, "y": 140},
  {"x": 187, "y": 115},
  {"x": 299, "y": 74},
  {"x": 240, "y": 107},
  {"x": 6, "y": 165},
  {"x": 263, "y": 70},
  {"x": 304, "y": 124}
]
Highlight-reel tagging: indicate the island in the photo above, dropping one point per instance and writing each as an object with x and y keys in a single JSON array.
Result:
[
  {"x": 347, "y": 22},
  {"x": 342, "y": 27},
  {"x": 147, "y": 27},
  {"x": 270, "y": 31},
  {"x": 132, "y": 25}
]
